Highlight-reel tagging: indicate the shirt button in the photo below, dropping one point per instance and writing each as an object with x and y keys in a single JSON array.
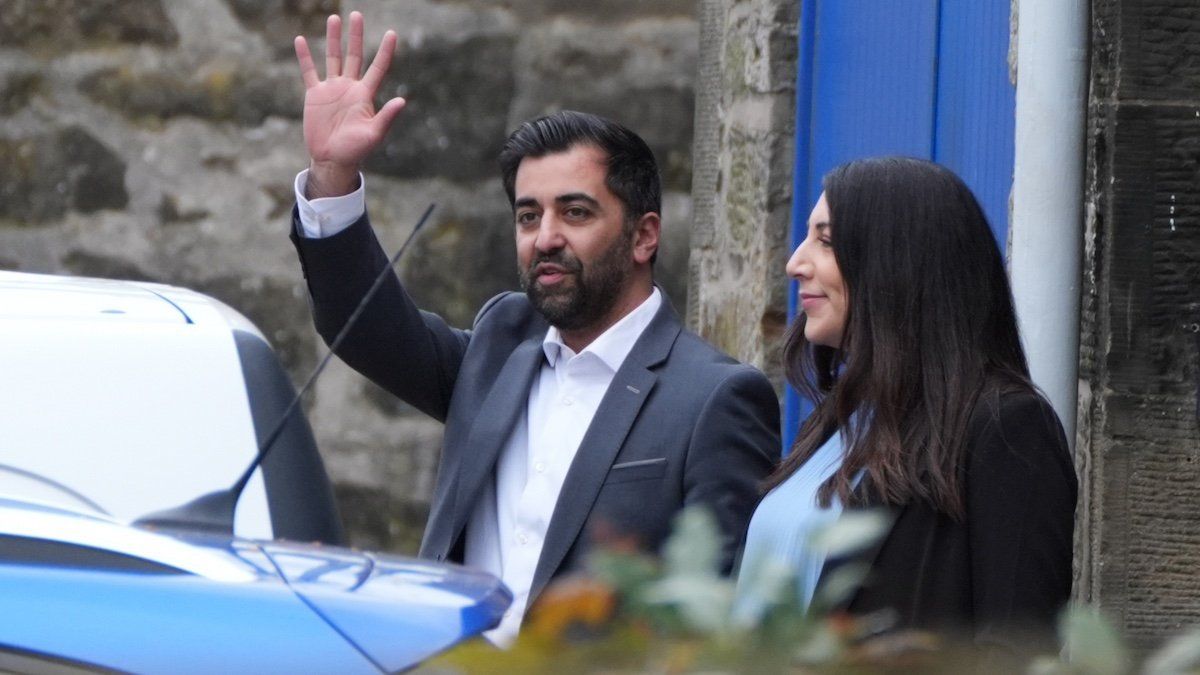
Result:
[
  {"x": 539, "y": 467},
  {"x": 522, "y": 539},
  {"x": 567, "y": 400}
]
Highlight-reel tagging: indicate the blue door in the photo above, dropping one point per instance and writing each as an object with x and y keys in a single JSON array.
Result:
[{"x": 923, "y": 78}]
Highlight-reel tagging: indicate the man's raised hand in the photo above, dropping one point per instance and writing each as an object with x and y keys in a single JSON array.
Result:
[{"x": 341, "y": 125}]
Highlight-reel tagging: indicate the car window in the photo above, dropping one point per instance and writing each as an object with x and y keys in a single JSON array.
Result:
[{"x": 30, "y": 551}]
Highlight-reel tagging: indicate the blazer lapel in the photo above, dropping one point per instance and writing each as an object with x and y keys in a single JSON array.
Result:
[
  {"x": 630, "y": 387},
  {"x": 498, "y": 414},
  {"x": 864, "y": 496}
]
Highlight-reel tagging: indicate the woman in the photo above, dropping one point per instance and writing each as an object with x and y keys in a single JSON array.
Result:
[{"x": 908, "y": 344}]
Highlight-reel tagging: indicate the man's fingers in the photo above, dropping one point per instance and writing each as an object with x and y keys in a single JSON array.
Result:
[
  {"x": 386, "y": 115},
  {"x": 353, "y": 65},
  {"x": 333, "y": 47},
  {"x": 381, "y": 62},
  {"x": 308, "y": 69}
]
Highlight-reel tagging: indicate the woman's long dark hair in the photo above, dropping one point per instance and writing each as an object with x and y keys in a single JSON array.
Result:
[{"x": 930, "y": 324}]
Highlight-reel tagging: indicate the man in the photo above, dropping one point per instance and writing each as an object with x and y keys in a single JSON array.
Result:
[{"x": 577, "y": 408}]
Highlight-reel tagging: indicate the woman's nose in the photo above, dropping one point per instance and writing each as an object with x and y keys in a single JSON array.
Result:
[{"x": 798, "y": 266}]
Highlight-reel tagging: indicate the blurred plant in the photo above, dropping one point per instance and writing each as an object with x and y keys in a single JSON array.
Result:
[
  {"x": 1091, "y": 645},
  {"x": 635, "y": 613},
  {"x": 631, "y": 613}
]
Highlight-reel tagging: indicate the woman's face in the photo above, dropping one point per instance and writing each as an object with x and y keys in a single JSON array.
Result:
[{"x": 822, "y": 292}]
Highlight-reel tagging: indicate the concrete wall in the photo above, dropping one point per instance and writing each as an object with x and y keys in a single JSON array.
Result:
[
  {"x": 156, "y": 139},
  {"x": 1138, "y": 442}
]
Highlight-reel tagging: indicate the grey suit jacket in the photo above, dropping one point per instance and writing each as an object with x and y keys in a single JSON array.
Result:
[{"x": 680, "y": 424}]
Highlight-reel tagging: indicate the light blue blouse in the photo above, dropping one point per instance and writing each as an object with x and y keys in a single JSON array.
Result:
[{"x": 779, "y": 540}]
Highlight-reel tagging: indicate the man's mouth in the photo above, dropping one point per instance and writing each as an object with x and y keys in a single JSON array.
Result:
[{"x": 548, "y": 274}]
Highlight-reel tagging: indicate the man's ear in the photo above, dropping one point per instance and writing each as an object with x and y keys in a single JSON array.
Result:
[{"x": 645, "y": 238}]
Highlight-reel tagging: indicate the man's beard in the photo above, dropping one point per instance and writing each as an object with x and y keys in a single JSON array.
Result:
[{"x": 584, "y": 296}]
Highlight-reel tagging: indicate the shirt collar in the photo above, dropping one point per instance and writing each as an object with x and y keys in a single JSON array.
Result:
[{"x": 614, "y": 344}]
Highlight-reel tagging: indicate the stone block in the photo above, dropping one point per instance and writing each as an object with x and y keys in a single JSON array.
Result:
[
  {"x": 45, "y": 175},
  {"x": 603, "y": 10},
  {"x": 281, "y": 20},
  {"x": 458, "y": 97},
  {"x": 17, "y": 88},
  {"x": 217, "y": 92},
  {"x": 1165, "y": 65},
  {"x": 633, "y": 76},
  {"x": 461, "y": 261},
  {"x": 64, "y": 25}
]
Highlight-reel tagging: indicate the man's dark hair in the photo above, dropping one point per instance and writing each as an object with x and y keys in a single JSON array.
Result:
[{"x": 632, "y": 172}]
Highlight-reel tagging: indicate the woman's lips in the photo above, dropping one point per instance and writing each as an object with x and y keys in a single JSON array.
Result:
[{"x": 810, "y": 300}]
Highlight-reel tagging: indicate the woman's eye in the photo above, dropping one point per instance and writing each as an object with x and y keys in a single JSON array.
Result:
[{"x": 827, "y": 243}]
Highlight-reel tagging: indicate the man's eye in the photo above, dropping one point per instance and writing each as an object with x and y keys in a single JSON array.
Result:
[
  {"x": 526, "y": 218},
  {"x": 576, "y": 212}
]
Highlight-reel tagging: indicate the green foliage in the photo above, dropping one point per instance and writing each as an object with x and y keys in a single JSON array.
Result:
[
  {"x": 1179, "y": 655},
  {"x": 634, "y": 614}
]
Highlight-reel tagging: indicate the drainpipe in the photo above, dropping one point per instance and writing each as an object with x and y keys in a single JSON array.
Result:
[{"x": 1046, "y": 232}]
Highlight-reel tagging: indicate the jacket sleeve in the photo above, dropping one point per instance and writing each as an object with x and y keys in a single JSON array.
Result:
[
  {"x": 413, "y": 354},
  {"x": 734, "y": 445},
  {"x": 1021, "y": 490}
]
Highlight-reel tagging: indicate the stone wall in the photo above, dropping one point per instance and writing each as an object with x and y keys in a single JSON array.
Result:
[
  {"x": 1139, "y": 431},
  {"x": 155, "y": 139},
  {"x": 745, "y": 126}
]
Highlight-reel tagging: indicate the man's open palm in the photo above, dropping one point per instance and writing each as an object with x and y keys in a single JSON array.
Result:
[{"x": 341, "y": 125}]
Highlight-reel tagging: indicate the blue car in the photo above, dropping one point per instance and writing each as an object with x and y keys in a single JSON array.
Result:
[{"x": 79, "y": 591}]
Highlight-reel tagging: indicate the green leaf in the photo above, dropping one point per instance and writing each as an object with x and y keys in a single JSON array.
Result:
[
  {"x": 1090, "y": 643},
  {"x": 694, "y": 546},
  {"x": 704, "y": 602},
  {"x": 1179, "y": 655},
  {"x": 1048, "y": 665},
  {"x": 839, "y": 585},
  {"x": 770, "y": 584},
  {"x": 853, "y": 531},
  {"x": 822, "y": 646}
]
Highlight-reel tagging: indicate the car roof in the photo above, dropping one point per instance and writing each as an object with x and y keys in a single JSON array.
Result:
[
  {"x": 45, "y": 297},
  {"x": 124, "y": 396}
]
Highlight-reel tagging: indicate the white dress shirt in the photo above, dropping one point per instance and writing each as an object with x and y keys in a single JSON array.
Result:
[
  {"x": 508, "y": 526},
  {"x": 327, "y": 216}
]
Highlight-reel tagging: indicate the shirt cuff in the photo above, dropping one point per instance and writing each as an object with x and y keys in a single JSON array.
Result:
[{"x": 325, "y": 217}]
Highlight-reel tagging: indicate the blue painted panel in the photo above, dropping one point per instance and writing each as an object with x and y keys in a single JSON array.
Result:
[
  {"x": 873, "y": 82},
  {"x": 976, "y": 103}
]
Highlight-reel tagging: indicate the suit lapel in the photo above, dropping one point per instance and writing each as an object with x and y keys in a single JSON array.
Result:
[
  {"x": 498, "y": 414},
  {"x": 630, "y": 387}
]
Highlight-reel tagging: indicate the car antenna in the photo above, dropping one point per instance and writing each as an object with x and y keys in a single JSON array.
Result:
[{"x": 213, "y": 512}]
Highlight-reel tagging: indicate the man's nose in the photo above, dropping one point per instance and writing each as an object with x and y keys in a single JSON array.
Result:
[{"x": 549, "y": 234}]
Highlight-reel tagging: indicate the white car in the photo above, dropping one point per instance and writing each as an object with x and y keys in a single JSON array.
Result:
[{"x": 127, "y": 398}]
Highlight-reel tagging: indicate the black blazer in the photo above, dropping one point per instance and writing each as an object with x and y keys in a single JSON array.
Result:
[
  {"x": 681, "y": 423},
  {"x": 1000, "y": 577}
]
